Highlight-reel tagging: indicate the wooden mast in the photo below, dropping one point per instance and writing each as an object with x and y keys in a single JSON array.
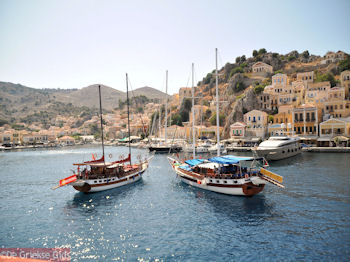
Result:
[
  {"x": 127, "y": 102},
  {"x": 103, "y": 147},
  {"x": 217, "y": 102},
  {"x": 193, "y": 131}
]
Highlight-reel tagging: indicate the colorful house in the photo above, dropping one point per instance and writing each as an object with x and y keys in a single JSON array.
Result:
[
  {"x": 256, "y": 122},
  {"x": 237, "y": 129}
]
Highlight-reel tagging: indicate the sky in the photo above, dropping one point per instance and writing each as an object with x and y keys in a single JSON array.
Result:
[{"x": 76, "y": 43}]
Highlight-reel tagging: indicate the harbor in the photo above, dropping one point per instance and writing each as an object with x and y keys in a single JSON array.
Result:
[{"x": 155, "y": 218}]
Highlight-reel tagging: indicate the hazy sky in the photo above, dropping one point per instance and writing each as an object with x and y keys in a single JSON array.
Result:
[{"x": 72, "y": 44}]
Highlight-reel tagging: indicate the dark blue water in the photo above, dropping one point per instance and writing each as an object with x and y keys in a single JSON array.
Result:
[{"x": 161, "y": 218}]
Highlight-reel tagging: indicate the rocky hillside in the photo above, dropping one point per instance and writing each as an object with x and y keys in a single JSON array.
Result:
[
  {"x": 18, "y": 102},
  {"x": 235, "y": 78}
]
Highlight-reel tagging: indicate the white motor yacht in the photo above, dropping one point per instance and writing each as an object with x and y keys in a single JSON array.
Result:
[{"x": 278, "y": 147}]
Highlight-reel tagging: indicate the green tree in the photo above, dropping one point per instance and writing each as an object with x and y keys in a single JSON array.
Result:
[
  {"x": 222, "y": 117},
  {"x": 239, "y": 87},
  {"x": 291, "y": 58},
  {"x": 326, "y": 77},
  {"x": 262, "y": 51},
  {"x": 243, "y": 58},
  {"x": 305, "y": 54},
  {"x": 258, "y": 89},
  {"x": 255, "y": 53},
  {"x": 176, "y": 120},
  {"x": 238, "y": 59},
  {"x": 3, "y": 122},
  {"x": 344, "y": 64},
  {"x": 185, "y": 109}
]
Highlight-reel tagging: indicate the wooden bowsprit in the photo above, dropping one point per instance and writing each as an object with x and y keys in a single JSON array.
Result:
[
  {"x": 66, "y": 181},
  {"x": 271, "y": 177}
]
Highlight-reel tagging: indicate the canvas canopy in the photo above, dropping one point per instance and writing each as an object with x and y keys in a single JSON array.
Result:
[
  {"x": 194, "y": 162},
  {"x": 229, "y": 159}
]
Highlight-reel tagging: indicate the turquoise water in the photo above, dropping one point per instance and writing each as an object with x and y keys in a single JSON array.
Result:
[{"x": 160, "y": 218}]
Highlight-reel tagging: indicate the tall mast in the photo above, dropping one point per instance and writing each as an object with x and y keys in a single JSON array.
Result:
[
  {"x": 160, "y": 122},
  {"x": 127, "y": 102},
  {"x": 193, "y": 132},
  {"x": 166, "y": 107},
  {"x": 103, "y": 146},
  {"x": 217, "y": 102}
]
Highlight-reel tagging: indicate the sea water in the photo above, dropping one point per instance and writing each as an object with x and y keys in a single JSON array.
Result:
[{"x": 162, "y": 219}]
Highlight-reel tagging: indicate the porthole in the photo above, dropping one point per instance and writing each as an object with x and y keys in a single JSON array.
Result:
[
  {"x": 211, "y": 181},
  {"x": 100, "y": 181},
  {"x": 288, "y": 150},
  {"x": 217, "y": 181},
  {"x": 235, "y": 182},
  {"x": 225, "y": 182},
  {"x": 283, "y": 152},
  {"x": 95, "y": 181}
]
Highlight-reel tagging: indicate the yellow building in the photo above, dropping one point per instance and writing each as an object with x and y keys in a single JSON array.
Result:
[
  {"x": 306, "y": 119},
  {"x": 306, "y": 77},
  {"x": 345, "y": 82},
  {"x": 336, "y": 105},
  {"x": 317, "y": 93},
  {"x": 284, "y": 115}
]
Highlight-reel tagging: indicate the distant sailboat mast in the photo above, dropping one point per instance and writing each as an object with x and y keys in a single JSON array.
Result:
[
  {"x": 166, "y": 107},
  {"x": 193, "y": 131},
  {"x": 127, "y": 102},
  {"x": 103, "y": 147},
  {"x": 217, "y": 102}
]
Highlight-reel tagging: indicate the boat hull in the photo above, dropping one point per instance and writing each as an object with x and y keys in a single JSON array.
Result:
[
  {"x": 102, "y": 184},
  {"x": 237, "y": 187},
  {"x": 165, "y": 150},
  {"x": 278, "y": 153}
]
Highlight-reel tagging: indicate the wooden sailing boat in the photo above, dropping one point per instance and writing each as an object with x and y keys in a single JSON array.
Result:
[
  {"x": 99, "y": 175},
  {"x": 229, "y": 174}
]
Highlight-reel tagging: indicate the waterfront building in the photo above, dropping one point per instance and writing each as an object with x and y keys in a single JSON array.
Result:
[
  {"x": 261, "y": 68},
  {"x": 237, "y": 130},
  {"x": 66, "y": 140},
  {"x": 284, "y": 115},
  {"x": 306, "y": 119},
  {"x": 256, "y": 122},
  {"x": 333, "y": 130}
]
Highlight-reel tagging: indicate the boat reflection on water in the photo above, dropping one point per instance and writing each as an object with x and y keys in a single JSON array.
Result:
[{"x": 88, "y": 204}]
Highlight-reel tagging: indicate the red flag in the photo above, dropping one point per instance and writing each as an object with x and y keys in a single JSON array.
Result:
[
  {"x": 93, "y": 157},
  {"x": 68, "y": 180}
]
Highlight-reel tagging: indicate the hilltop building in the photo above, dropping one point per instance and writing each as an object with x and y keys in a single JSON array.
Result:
[{"x": 260, "y": 68}]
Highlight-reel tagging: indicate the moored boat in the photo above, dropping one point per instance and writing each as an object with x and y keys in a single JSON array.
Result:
[
  {"x": 278, "y": 147},
  {"x": 98, "y": 175},
  {"x": 232, "y": 175}
]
